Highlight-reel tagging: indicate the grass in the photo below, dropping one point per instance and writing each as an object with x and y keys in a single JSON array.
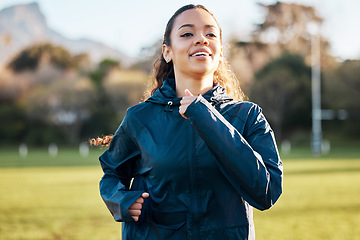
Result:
[
  {"x": 57, "y": 198},
  {"x": 320, "y": 201},
  {"x": 39, "y": 157},
  {"x": 53, "y": 198},
  {"x": 53, "y": 203}
]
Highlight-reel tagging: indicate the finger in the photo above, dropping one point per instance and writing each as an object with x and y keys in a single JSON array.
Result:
[
  {"x": 182, "y": 110},
  {"x": 134, "y": 212},
  {"x": 136, "y": 218},
  {"x": 183, "y": 116},
  {"x": 136, "y": 206},
  {"x": 187, "y": 100},
  {"x": 140, "y": 200},
  {"x": 145, "y": 195},
  {"x": 188, "y": 93}
]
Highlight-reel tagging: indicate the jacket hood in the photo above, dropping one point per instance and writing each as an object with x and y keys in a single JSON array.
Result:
[{"x": 167, "y": 94}]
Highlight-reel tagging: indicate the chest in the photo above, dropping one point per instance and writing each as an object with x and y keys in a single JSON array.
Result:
[{"x": 171, "y": 147}]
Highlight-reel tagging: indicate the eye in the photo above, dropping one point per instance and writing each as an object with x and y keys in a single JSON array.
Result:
[
  {"x": 186, "y": 34},
  {"x": 212, "y": 35}
]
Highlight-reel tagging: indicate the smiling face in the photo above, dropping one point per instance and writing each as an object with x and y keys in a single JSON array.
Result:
[{"x": 195, "y": 44}]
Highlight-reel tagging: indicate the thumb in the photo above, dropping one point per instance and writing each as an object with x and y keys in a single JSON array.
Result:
[
  {"x": 145, "y": 195},
  {"x": 188, "y": 93}
]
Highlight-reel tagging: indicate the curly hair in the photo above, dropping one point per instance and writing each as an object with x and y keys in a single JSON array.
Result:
[{"x": 104, "y": 141}]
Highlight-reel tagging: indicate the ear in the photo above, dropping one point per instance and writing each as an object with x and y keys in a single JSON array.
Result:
[{"x": 167, "y": 53}]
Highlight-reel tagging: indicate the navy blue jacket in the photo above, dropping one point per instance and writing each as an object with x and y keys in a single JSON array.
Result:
[{"x": 204, "y": 174}]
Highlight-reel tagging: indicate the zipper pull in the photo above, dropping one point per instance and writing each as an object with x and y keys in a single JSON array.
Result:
[
  {"x": 168, "y": 107},
  {"x": 214, "y": 100}
]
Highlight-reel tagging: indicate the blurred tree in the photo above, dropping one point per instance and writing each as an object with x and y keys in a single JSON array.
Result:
[
  {"x": 13, "y": 124},
  {"x": 125, "y": 88},
  {"x": 27, "y": 97},
  {"x": 107, "y": 64},
  {"x": 30, "y": 58},
  {"x": 56, "y": 101},
  {"x": 116, "y": 90},
  {"x": 103, "y": 116},
  {"x": 342, "y": 94},
  {"x": 64, "y": 103},
  {"x": 286, "y": 25},
  {"x": 82, "y": 62},
  {"x": 104, "y": 67},
  {"x": 285, "y": 29},
  {"x": 342, "y": 86},
  {"x": 283, "y": 89},
  {"x": 9, "y": 89}
]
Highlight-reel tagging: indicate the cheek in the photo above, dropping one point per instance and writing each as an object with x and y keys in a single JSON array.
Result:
[
  {"x": 217, "y": 51},
  {"x": 180, "y": 52}
]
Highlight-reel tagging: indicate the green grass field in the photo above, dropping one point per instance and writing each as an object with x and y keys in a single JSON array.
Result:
[{"x": 57, "y": 198}]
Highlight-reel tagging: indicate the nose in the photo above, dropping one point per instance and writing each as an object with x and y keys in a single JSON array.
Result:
[{"x": 202, "y": 40}]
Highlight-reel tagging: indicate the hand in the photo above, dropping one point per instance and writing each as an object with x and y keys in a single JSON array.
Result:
[
  {"x": 185, "y": 102},
  {"x": 135, "y": 208}
]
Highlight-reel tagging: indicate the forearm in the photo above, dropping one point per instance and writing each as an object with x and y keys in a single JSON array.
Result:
[
  {"x": 116, "y": 194},
  {"x": 254, "y": 174}
]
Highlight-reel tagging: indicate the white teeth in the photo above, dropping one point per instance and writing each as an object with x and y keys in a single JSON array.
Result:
[{"x": 201, "y": 54}]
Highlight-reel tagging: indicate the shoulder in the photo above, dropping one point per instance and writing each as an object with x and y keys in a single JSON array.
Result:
[
  {"x": 136, "y": 108},
  {"x": 139, "y": 113},
  {"x": 140, "y": 109},
  {"x": 248, "y": 105},
  {"x": 251, "y": 117},
  {"x": 243, "y": 109},
  {"x": 133, "y": 118}
]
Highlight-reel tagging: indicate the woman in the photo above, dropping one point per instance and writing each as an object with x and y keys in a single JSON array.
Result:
[{"x": 190, "y": 162}]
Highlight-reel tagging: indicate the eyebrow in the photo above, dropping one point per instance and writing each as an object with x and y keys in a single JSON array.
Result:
[{"x": 192, "y": 25}]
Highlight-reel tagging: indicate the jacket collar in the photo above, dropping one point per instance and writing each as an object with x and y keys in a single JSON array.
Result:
[{"x": 167, "y": 94}]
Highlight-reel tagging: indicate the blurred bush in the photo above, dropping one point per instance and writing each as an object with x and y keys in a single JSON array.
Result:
[{"x": 49, "y": 95}]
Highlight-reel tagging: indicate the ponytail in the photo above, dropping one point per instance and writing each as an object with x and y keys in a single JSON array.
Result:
[{"x": 104, "y": 141}]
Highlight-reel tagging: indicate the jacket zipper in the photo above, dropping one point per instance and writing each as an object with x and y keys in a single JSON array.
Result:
[{"x": 192, "y": 188}]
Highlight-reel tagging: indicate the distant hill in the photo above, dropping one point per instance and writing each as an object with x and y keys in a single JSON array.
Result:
[{"x": 24, "y": 25}]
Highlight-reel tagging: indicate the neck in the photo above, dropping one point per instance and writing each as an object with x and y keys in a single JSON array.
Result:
[{"x": 196, "y": 85}]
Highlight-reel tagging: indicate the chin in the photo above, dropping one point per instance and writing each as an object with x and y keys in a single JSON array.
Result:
[{"x": 203, "y": 69}]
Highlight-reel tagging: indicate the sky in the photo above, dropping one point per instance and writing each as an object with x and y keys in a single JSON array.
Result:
[{"x": 130, "y": 25}]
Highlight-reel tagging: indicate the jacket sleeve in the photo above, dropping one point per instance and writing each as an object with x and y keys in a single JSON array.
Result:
[
  {"x": 119, "y": 164},
  {"x": 252, "y": 163}
]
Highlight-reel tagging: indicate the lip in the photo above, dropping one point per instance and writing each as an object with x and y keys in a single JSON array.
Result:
[{"x": 201, "y": 53}]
